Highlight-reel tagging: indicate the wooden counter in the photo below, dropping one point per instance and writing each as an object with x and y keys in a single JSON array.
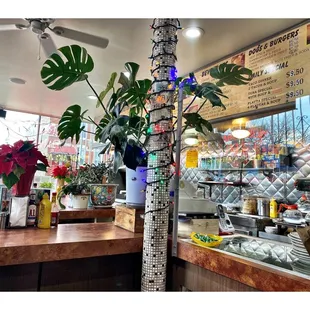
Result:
[
  {"x": 73, "y": 214},
  {"x": 203, "y": 269},
  {"x": 67, "y": 241}
]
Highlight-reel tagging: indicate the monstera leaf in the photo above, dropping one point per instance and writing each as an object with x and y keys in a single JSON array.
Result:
[
  {"x": 211, "y": 92},
  {"x": 58, "y": 74},
  {"x": 194, "y": 120},
  {"x": 103, "y": 128},
  {"x": 70, "y": 123},
  {"x": 231, "y": 74},
  {"x": 133, "y": 69},
  {"x": 110, "y": 85},
  {"x": 135, "y": 95}
]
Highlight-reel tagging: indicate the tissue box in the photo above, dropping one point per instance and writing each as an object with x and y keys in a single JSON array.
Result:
[{"x": 19, "y": 211}]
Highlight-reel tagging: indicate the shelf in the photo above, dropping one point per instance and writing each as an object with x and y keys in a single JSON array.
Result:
[
  {"x": 236, "y": 184},
  {"x": 236, "y": 170}
]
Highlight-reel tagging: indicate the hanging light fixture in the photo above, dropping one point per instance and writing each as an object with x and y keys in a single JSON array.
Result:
[
  {"x": 241, "y": 132},
  {"x": 191, "y": 139}
]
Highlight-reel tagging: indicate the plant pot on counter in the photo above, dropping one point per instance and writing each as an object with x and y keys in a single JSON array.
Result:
[
  {"x": 136, "y": 187},
  {"x": 103, "y": 194},
  {"x": 80, "y": 201}
]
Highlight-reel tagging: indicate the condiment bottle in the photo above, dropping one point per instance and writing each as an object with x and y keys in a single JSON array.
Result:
[
  {"x": 32, "y": 209},
  {"x": 273, "y": 208},
  {"x": 45, "y": 209},
  {"x": 55, "y": 211}
]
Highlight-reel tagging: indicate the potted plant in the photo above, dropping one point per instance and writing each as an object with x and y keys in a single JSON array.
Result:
[
  {"x": 126, "y": 124},
  {"x": 78, "y": 189},
  {"x": 18, "y": 165},
  {"x": 99, "y": 177}
]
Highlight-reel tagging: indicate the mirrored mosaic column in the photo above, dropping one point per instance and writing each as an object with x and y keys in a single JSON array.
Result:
[{"x": 159, "y": 154}]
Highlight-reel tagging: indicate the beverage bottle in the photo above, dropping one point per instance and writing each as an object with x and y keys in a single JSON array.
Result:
[
  {"x": 55, "y": 211},
  {"x": 273, "y": 208},
  {"x": 32, "y": 209},
  {"x": 45, "y": 208}
]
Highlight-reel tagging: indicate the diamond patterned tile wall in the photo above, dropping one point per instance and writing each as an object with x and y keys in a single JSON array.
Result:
[{"x": 280, "y": 185}]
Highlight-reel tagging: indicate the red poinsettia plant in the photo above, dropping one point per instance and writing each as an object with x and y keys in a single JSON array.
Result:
[
  {"x": 18, "y": 164},
  {"x": 60, "y": 172}
]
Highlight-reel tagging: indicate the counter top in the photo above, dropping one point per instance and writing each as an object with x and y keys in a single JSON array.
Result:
[
  {"x": 253, "y": 274},
  {"x": 70, "y": 214},
  {"x": 67, "y": 241}
]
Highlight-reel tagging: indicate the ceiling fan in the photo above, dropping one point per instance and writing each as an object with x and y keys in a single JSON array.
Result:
[{"x": 40, "y": 25}]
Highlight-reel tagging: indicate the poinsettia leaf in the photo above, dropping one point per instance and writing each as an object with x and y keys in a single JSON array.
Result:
[
  {"x": 9, "y": 180},
  {"x": 41, "y": 167},
  {"x": 18, "y": 171}
]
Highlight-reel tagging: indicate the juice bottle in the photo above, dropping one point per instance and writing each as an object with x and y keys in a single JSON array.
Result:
[
  {"x": 273, "y": 208},
  {"x": 45, "y": 209}
]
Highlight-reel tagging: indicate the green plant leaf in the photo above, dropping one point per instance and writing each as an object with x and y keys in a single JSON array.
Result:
[
  {"x": 136, "y": 121},
  {"x": 102, "y": 127},
  {"x": 18, "y": 171},
  {"x": 136, "y": 95},
  {"x": 9, "y": 180},
  {"x": 122, "y": 120},
  {"x": 41, "y": 167},
  {"x": 105, "y": 149},
  {"x": 110, "y": 85},
  {"x": 117, "y": 161},
  {"x": 211, "y": 92},
  {"x": 231, "y": 74},
  {"x": 70, "y": 123},
  {"x": 194, "y": 120},
  {"x": 133, "y": 69},
  {"x": 58, "y": 74},
  {"x": 124, "y": 81}
]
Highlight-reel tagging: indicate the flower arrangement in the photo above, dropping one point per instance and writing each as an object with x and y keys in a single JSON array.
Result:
[
  {"x": 60, "y": 172},
  {"x": 18, "y": 164}
]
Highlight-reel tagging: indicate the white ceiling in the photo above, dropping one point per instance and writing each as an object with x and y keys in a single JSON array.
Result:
[{"x": 129, "y": 41}]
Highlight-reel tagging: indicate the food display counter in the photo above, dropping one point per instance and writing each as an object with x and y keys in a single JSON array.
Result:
[{"x": 240, "y": 263}]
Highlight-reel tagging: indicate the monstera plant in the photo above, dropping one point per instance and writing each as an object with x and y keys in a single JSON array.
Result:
[{"x": 125, "y": 122}]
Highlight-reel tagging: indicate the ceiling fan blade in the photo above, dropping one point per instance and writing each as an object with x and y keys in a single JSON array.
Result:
[
  {"x": 48, "y": 45},
  {"x": 81, "y": 37},
  {"x": 9, "y": 27}
]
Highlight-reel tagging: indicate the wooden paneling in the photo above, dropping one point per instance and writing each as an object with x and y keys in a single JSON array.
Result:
[
  {"x": 19, "y": 277},
  {"x": 108, "y": 273},
  {"x": 185, "y": 276}
]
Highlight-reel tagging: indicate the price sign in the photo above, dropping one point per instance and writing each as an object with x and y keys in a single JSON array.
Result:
[{"x": 281, "y": 73}]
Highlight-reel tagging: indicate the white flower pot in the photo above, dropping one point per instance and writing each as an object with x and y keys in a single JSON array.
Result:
[
  {"x": 136, "y": 186},
  {"x": 79, "y": 201}
]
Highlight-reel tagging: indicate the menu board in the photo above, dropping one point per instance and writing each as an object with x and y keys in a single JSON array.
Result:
[{"x": 281, "y": 73}]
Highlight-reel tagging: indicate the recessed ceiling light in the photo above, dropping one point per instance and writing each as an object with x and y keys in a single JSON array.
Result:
[
  {"x": 126, "y": 73},
  {"x": 192, "y": 32},
  {"x": 17, "y": 81},
  {"x": 92, "y": 97}
]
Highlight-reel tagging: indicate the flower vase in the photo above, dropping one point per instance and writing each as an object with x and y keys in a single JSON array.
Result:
[
  {"x": 60, "y": 184},
  {"x": 22, "y": 187}
]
